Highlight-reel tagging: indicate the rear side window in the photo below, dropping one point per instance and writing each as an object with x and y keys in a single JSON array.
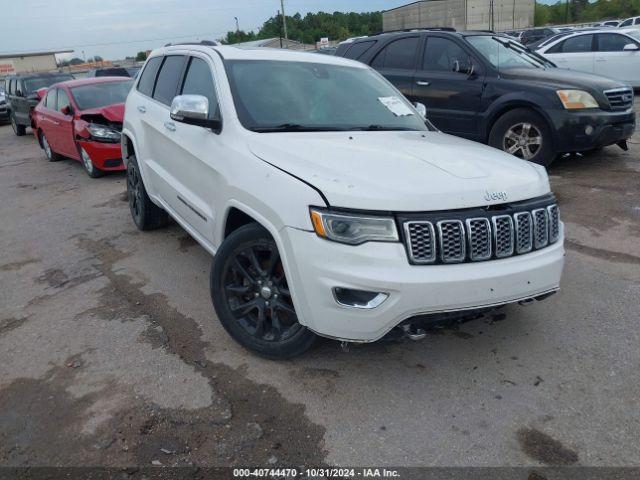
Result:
[
  {"x": 627, "y": 22},
  {"x": 168, "y": 77},
  {"x": 577, "y": 44},
  {"x": 637, "y": 21},
  {"x": 398, "y": 54},
  {"x": 441, "y": 54},
  {"x": 63, "y": 100},
  {"x": 12, "y": 86},
  {"x": 358, "y": 49},
  {"x": 50, "y": 100},
  {"x": 148, "y": 76},
  {"x": 612, "y": 42},
  {"x": 198, "y": 81}
]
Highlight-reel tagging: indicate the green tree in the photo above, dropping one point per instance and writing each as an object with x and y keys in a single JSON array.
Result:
[{"x": 141, "y": 56}]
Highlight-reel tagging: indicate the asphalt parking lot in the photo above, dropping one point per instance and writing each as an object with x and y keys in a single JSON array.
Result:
[{"x": 110, "y": 353}]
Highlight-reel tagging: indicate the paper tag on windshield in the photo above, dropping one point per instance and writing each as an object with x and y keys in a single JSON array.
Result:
[{"x": 396, "y": 106}]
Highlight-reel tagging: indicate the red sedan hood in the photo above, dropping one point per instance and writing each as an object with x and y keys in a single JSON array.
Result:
[{"x": 113, "y": 113}]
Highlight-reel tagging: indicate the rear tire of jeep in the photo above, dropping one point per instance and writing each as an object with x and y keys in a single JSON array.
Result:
[
  {"x": 18, "y": 129},
  {"x": 251, "y": 296},
  {"x": 524, "y": 134},
  {"x": 146, "y": 214}
]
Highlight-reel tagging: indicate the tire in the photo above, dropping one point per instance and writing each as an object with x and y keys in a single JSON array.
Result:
[
  {"x": 18, "y": 129},
  {"x": 526, "y": 126},
  {"x": 89, "y": 167},
  {"x": 48, "y": 151},
  {"x": 146, "y": 214},
  {"x": 251, "y": 297}
]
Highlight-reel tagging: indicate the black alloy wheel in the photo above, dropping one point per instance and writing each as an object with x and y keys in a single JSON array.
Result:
[{"x": 251, "y": 295}]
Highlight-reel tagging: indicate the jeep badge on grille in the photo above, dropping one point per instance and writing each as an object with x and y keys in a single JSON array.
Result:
[{"x": 493, "y": 196}]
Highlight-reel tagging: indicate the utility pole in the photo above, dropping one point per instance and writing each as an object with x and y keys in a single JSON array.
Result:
[{"x": 284, "y": 24}]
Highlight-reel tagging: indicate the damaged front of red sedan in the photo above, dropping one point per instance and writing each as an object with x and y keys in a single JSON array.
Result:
[{"x": 82, "y": 119}]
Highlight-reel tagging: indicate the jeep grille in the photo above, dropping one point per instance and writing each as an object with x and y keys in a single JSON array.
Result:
[{"x": 477, "y": 238}]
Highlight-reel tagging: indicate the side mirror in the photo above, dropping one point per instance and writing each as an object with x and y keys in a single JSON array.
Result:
[
  {"x": 193, "y": 110},
  {"x": 463, "y": 66},
  {"x": 630, "y": 47},
  {"x": 19, "y": 93},
  {"x": 421, "y": 109},
  {"x": 67, "y": 110}
]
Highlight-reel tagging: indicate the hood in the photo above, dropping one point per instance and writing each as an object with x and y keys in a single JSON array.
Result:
[
  {"x": 401, "y": 171},
  {"x": 113, "y": 113},
  {"x": 562, "y": 78}
]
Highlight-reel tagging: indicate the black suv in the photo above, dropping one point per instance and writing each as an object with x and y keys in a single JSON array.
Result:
[
  {"x": 108, "y": 72},
  {"x": 490, "y": 88},
  {"x": 22, "y": 96}
]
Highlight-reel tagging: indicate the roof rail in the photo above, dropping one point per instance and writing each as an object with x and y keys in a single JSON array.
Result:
[
  {"x": 208, "y": 43},
  {"x": 420, "y": 29}
]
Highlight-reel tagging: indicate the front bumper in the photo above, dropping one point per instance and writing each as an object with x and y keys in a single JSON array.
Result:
[
  {"x": 607, "y": 128},
  {"x": 316, "y": 266},
  {"x": 105, "y": 156}
]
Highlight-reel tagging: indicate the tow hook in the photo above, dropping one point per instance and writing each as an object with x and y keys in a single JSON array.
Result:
[
  {"x": 623, "y": 145},
  {"x": 413, "y": 333}
]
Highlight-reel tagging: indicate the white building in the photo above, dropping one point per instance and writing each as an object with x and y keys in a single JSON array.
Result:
[{"x": 28, "y": 62}]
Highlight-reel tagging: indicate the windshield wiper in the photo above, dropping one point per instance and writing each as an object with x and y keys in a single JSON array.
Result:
[
  {"x": 381, "y": 128},
  {"x": 295, "y": 127}
]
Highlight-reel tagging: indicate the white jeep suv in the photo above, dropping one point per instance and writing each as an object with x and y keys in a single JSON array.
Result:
[{"x": 331, "y": 205}]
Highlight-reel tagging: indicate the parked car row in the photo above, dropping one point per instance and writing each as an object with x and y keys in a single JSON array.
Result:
[
  {"x": 490, "y": 88},
  {"x": 615, "y": 54}
]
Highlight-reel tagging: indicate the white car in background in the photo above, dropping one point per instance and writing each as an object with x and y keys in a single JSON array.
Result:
[
  {"x": 611, "y": 53},
  {"x": 630, "y": 22}
]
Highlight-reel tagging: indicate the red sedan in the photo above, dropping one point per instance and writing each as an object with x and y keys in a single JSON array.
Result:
[{"x": 82, "y": 119}]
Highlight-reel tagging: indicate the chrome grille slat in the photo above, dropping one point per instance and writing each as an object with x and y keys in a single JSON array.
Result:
[
  {"x": 503, "y": 235},
  {"x": 620, "y": 98},
  {"x": 482, "y": 236},
  {"x": 540, "y": 227},
  {"x": 451, "y": 241},
  {"x": 553, "y": 216},
  {"x": 524, "y": 232},
  {"x": 422, "y": 241},
  {"x": 479, "y": 238}
]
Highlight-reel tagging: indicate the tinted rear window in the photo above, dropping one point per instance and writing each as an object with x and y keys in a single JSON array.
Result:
[
  {"x": 148, "y": 77},
  {"x": 36, "y": 83},
  {"x": 167, "y": 83},
  {"x": 398, "y": 54},
  {"x": 357, "y": 50},
  {"x": 101, "y": 94},
  {"x": 112, "y": 72}
]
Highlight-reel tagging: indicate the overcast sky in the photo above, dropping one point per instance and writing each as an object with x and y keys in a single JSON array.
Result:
[{"x": 114, "y": 29}]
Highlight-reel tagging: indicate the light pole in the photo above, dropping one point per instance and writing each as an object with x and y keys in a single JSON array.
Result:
[
  {"x": 284, "y": 25},
  {"x": 237, "y": 25}
]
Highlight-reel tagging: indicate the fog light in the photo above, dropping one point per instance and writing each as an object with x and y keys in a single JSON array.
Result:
[
  {"x": 348, "y": 297},
  {"x": 588, "y": 129}
]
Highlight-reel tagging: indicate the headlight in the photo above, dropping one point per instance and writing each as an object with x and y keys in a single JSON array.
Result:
[
  {"x": 353, "y": 229},
  {"x": 572, "y": 99},
  {"x": 104, "y": 133}
]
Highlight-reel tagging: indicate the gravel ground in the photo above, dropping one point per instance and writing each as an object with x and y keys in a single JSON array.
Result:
[{"x": 110, "y": 352}]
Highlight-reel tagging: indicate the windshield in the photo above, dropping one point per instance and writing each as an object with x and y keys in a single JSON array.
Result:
[
  {"x": 306, "y": 96},
  {"x": 504, "y": 53},
  {"x": 100, "y": 95},
  {"x": 635, "y": 34},
  {"x": 36, "y": 83}
]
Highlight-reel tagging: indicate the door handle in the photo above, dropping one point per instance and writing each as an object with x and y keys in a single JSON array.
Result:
[
  {"x": 142, "y": 109},
  {"x": 600, "y": 59},
  {"x": 170, "y": 126},
  {"x": 422, "y": 83}
]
